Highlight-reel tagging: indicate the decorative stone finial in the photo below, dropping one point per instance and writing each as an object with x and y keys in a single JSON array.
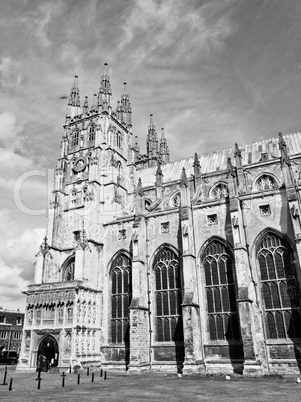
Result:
[
  {"x": 183, "y": 178},
  {"x": 231, "y": 170},
  {"x": 284, "y": 158}
]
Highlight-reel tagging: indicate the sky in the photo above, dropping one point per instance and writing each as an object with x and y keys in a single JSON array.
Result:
[{"x": 211, "y": 72}]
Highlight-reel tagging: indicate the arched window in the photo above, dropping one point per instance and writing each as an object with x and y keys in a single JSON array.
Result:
[
  {"x": 265, "y": 182},
  {"x": 279, "y": 288},
  {"x": 176, "y": 201},
  {"x": 220, "y": 191},
  {"x": 68, "y": 272},
  {"x": 223, "y": 321},
  {"x": 92, "y": 133},
  {"x": 75, "y": 138},
  {"x": 169, "y": 325},
  {"x": 118, "y": 139},
  {"x": 120, "y": 298}
]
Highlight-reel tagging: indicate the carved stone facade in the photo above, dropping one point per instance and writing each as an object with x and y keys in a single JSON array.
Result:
[
  {"x": 190, "y": 266},
  {"x": 11, "y": 326}
]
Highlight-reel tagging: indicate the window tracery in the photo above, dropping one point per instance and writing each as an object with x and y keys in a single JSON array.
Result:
[
  {"x": 279, "y": 288},
  {"x": 120, "y": 298},
  {"x": 176, "y": 201},
  {"x": 73, "y": 196},
  {"x": 91, "y": 133},
  {"x": 265, "y": 182},
  {"x": 75, "y": 138},
  {"x": 220, "y": 290},
  {"x": 168, "y": 296},
  {"x": 220, "y": 191}
]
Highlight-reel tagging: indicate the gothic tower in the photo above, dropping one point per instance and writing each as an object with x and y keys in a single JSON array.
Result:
[{"x": 190, "y": 266}]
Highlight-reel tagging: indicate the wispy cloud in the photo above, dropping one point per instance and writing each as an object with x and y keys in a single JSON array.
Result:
[
  {"x": 17, "y": 250},
  {"x": 212, "y": 72},
  {"x": 10, "y": 77},
  {"x": 171, "y": 30}
]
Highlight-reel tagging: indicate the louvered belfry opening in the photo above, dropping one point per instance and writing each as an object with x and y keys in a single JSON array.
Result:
[
  {"x": 223, "y": 320},
  {"x": 169, "y": 325},
  {"x": 279, "y": 287},
  {"x": 120, "y": 298}
]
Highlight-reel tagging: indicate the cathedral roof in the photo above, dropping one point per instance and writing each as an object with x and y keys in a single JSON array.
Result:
[{"x": 217, "y": 160}]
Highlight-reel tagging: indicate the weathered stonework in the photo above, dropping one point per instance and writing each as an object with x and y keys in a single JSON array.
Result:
[{"x": 150, "y": 264}]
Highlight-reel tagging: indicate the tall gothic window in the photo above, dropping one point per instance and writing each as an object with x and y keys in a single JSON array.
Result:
[
  {"x": 265, "y": 182},
  {"x": 75, "y": 137},
  {"x": 218, "y": 265},
  {"x": 279, "y": 288},
  {"x": 169, "y": 325},
  {"x": 220, "y": 191},
  {"x": 118, "y": 139},
  {"x": 68, "y": 272},
  {"x": 120, "y": 298},
  {"x": 91, "y": 133}
]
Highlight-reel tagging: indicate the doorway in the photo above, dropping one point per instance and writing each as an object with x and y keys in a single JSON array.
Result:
[{"x": 48, "y": 353}]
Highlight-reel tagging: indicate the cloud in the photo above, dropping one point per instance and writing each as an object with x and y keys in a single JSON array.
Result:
[
  {"x": 20, "y": 251},
  {"x": 10, "y": 78},
  {"x": 173, "y": 31},
  {"x": 17, "y": 255},
  {"x": 9, "y": 130}
]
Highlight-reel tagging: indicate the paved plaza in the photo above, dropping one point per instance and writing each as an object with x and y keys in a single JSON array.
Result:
[{"x": 146, "y": 387}]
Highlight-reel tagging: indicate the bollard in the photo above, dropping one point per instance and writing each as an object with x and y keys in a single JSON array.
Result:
[
  {"x": 78, "y": 379},
  {"x": 105, "y": 376},
  {"x": 100, "y": 372},
  {"x": 39, "y": 383},
  {"x": 70, "y": 370},
  {"x": 63, "y": 379},
  {"x": 39, "y": 374},
  {"x": 92, "y": 377},
  {"x": 88, "y": 370},
  {"x": 10, "y": 385},
  {"x": 5, "y": 375}
]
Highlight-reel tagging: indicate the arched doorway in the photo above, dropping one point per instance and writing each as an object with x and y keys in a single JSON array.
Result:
[{"x": 48, "y": 353}]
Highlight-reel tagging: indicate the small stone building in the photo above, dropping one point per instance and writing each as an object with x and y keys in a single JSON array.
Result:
[
  {"x": 11, "y": 327},
  {"x": 190, "y": 266}
]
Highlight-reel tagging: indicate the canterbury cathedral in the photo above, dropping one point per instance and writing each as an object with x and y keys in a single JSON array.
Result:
[{"x": 187, "y": 266}]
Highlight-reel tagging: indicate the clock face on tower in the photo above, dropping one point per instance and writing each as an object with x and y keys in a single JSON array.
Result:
[{"x": 79, "y": 164}]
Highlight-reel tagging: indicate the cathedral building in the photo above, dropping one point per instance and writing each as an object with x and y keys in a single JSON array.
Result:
[{"x": 190, "y": 266}]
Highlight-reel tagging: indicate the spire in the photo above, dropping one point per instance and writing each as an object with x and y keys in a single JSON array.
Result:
[
  {"x": 94, "y": 104},
  {"x": 74, "y": 100},
  {"x": 237, "y": 156},
  {"x": 124, "y": 109},
  {"x": 105, "y": 91},
  {"x": 231, "y": 170},
  {"x": 183, "y": 178},
  {"x": 164, "y": 154},
  {"x": 151, "y": 121},
  {"x": 196, "y": 166},
  {"x": 152, "y": 143},
  {"x": 86, "y": 106}
]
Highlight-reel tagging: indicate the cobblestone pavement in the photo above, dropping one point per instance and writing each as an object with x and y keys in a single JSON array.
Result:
[{"x": 146, "y": 387}]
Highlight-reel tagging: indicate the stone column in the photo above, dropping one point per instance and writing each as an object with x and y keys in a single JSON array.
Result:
[
  {"x": 139, "y": 309},
  {"x": 193, "y": 362},
  {"x": 251, "y": 325}
]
